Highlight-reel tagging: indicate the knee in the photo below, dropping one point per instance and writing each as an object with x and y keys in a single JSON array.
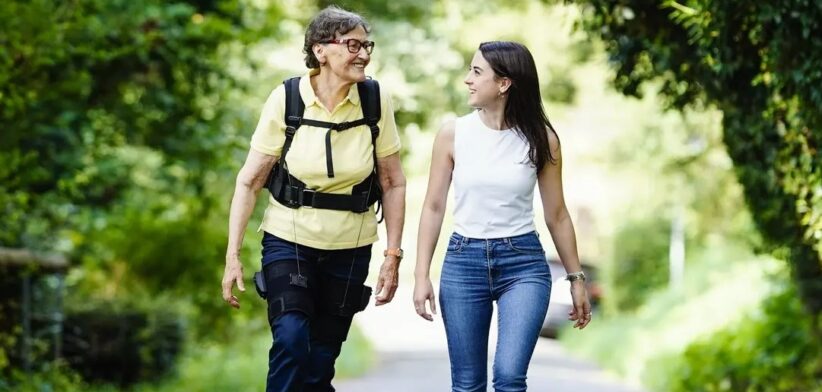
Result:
[
  {"x": 509, "y": 380},
  {"x": 468, "y": 381},
  {"x": 291, "y": 335}
]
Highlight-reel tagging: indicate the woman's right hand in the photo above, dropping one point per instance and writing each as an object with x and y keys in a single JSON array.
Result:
[
  {"x": 424, "y": 291},
  {"x": 233, "y": 274}
]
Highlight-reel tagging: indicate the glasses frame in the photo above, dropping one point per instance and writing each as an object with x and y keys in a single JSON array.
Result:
[{"x": 354, "y": 45}]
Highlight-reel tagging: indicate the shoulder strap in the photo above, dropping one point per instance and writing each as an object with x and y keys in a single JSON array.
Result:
[
  {"x": 294, "y": 109},
  {"x": 369, "y": 91}
]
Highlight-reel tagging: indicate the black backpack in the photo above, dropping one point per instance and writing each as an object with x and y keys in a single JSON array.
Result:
[{"x": 293, "y": 193}]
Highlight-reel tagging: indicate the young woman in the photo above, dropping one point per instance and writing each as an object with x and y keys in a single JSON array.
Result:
[{"x": 495, "y": 155}]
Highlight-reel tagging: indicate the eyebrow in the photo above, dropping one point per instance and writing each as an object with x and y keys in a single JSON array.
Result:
[{"x": 476, "y": 67}]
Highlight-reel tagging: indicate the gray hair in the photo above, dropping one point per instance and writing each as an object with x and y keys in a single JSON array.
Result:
[{"x": 325, "y": 26}]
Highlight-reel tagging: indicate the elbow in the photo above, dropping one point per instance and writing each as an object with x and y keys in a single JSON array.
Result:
[
  {"x": 435, "y": 207},
  {"x": 555, "y": 218},
  {"x": 392, "y": 182},
  {"x": 247, "y": 183}
]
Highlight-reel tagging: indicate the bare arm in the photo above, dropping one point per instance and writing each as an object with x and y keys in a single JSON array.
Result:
[
  {"x": 559, "y": 224},
  {"x": 433, "y": 211},
  {"x": 250, "y": 180},
  {"x": 392, "y": 181}
]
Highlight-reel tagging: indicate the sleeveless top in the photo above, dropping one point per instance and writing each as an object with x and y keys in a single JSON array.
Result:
[{"x": 493, "y": 181}]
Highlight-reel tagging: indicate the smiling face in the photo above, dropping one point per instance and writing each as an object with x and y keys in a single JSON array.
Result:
[
  {"x": 336, "y": 58},
  {"x": 484, "y": 87}
]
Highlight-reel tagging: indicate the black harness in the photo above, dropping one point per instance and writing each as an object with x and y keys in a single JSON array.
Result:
[{"x": 293, "y": 193}]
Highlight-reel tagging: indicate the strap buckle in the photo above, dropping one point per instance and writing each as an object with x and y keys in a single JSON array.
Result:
[
  {"x": 306, "y": 198},
  {"x": 341, "y": 126}
]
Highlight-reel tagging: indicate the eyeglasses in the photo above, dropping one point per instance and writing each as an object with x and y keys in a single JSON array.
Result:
[{"x": 354, "y": 45}]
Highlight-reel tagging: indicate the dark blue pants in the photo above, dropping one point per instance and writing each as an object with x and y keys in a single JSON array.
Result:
[{"x": 309, "y": 325}]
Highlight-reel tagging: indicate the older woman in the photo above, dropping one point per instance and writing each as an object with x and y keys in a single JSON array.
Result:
[{"x": 327, "y": 148}]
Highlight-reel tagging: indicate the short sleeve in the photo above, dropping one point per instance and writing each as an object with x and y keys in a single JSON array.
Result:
[
  {"x": 269, "y": 136},
  {"x": 388, "y": 142}
]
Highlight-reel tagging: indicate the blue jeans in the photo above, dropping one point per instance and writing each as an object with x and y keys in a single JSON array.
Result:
[
  {"x": 512, "y": 271},
  {"x": 308, "y": 326}
]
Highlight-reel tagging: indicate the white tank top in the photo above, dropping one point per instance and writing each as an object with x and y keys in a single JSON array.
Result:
[{"x": 493, "y": 181}]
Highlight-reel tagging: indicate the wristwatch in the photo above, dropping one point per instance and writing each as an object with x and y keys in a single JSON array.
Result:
[
  {"x": 396, "y": 252},
  {"x": 574, "y": 276}
]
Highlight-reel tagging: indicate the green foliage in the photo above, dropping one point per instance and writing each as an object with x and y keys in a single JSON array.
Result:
[
  {"x": 83, "y": 83},
  {"x": 771, "y": 350},
  {"x": 640, "y": 263},
  {"x": 722, "y": 285},
  {"x": 758, "y": 63},
  {"x": 122, "y": 345},
  {"x": 57, "y": 376}
]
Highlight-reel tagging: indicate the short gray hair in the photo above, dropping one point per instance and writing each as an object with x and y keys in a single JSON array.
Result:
[{"x": 325, "y": 26}]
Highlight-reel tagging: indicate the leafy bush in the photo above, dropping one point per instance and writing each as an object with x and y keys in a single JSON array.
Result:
[
  {"x": 640, "y": 262},
  {"x": 122, "y": 346},
  {"x": 773, "y": 350}
]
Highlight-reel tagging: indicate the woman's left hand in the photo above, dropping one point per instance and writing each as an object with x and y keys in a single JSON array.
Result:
[
  {"x": 388, "y": 280},
  {"x": 581, "y": 313}
]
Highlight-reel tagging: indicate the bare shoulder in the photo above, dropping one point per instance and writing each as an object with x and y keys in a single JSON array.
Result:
[
  {"x": 553, "y": 141},
  {"x": 446, "y": 132}
]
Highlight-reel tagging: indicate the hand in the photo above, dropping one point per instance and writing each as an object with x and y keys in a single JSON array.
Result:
[
  {"x": 233, "y": 274},
  {"x": 388, "y": 280},
  {"x": 424, "y": 291},
  {"x": 581, "y": 313}
]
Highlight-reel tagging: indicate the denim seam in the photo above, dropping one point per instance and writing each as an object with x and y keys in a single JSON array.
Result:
[{"x": 488, "y": 268}]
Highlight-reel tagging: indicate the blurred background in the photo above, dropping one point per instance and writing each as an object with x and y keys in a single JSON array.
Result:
[{"x": 690, "y": 131}]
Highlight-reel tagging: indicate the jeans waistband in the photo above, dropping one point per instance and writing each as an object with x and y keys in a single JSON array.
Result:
[{"x": 467, "y": 240}]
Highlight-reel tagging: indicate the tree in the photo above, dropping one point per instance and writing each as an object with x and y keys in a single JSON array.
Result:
[
  {"x": 119, "y": 125},
  {"x": 759, "y": 64}
]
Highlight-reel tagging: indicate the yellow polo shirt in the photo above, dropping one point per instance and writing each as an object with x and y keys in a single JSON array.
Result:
[{"x": 352, "y": 158}]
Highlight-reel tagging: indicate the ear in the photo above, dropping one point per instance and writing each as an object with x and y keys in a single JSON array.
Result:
[
  {"x": 319, "y": 53},
  {"x": 504, "y": 85}
]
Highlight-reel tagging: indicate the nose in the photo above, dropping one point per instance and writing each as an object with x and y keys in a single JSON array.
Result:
[
  {"x": 362, "y": 53},
  {"x": 467, "y": 79}
]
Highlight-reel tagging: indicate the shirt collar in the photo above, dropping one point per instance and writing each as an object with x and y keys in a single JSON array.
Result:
[{"x": 310, "y": 98}]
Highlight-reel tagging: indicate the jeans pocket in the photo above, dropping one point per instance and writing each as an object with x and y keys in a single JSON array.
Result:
[
  {"x": 526, "y": 244},
  {"x": 454, "y": 243}
]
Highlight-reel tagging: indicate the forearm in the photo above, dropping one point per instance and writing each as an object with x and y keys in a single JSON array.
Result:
[
  {"x": 562, "y": 233},
  {"x": 242, "y": 205},
  {"x": 393, "y": 203},
  {"x": 429, "y": 231}
]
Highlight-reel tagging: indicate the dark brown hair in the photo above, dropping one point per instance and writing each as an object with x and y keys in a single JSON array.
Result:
[{"x": 523, "y": 110}]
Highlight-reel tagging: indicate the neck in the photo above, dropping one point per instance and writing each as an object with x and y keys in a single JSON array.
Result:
[
  {"x": 493, "y": 115},
  {"x": 330, "y": 89}
]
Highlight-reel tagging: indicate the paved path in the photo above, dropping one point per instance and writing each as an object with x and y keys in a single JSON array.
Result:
[{"x": 412, "y": 357}]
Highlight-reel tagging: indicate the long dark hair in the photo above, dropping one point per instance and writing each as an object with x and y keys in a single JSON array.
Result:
[{"x": 523, "y": 110}]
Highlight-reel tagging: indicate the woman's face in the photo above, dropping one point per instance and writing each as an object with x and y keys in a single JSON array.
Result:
[
  {"x": 483, "y": 86},
  {"x": 348, "y": 66}
]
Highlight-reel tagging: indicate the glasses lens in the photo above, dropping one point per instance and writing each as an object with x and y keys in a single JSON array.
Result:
[
  {"x": 354, "y": 46},
  {"x": 369, "y": 46}
]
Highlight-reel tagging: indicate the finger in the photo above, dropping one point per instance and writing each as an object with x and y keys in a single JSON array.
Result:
[
  {"x": 433, "y": 301},
  {"x": 378, "y": 289},
  {"x": 240, "y": 284},
  {"x": 392, "y": 289},
  {"x": 234, "y": 302},
  {"x": 226, "y": 290}
]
